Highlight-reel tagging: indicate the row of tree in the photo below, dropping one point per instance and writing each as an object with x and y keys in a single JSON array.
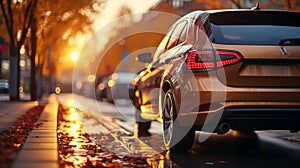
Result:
[{"x": 43, "y": 28}]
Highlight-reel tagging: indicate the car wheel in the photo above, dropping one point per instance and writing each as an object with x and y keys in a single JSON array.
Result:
[
  {"x": 176, "y": 138},
  {"x": 142, "y": 126}
]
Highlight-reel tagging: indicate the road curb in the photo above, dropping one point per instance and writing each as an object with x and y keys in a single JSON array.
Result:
[{"x": 40, "y": 148}]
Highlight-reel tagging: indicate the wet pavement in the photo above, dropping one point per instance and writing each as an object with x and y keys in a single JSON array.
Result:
[
  {"x": 261, "y": 149},
  {"x": 87, "y": 140}
]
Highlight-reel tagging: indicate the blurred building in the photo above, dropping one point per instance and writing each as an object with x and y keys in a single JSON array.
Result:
[{"x": 4, "y": 64}]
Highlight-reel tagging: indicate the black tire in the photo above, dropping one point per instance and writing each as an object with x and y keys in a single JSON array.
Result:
[
  {"x": 142, "y": 126},
  {"x": 176, "y": 138}
]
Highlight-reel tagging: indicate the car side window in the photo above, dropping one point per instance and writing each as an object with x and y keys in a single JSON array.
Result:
[
  {"x": 183, "y": 35},
  {"x": 178, "y": 35},
  {"x": 162, "y": 46},
  {"x": 175, "y": 36}
]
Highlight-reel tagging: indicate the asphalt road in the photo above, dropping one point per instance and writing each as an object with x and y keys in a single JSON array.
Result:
[
  {"x": 261, "y": 149},
  {"x": 237, "y": 150}
]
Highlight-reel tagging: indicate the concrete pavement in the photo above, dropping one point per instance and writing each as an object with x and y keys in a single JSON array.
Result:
[
  {"x": 40, "y": 147},
  {"x": 10, "y": 111},
  {"x": 42, "y": 141}
]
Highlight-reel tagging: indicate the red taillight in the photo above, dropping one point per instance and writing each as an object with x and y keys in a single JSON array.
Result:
[
  {"x": 205, "y": 60},
  {"x": 201, "y": 60}
]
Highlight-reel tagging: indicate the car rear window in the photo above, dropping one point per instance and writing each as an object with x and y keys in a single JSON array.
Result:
[{"x": 256, "y": 28}]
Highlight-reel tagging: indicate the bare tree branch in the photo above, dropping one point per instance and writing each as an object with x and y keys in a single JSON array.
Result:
[
  {"x": 9, "y": 23},
  {"x": 28, "y": 19},
  {"x": 289, "y": 4},
  {"x": 237, "y": 4}
]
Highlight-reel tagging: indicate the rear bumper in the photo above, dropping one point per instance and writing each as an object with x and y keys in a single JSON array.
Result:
[
  {"x": 282, "y": 116},
  {"x": 277, "y": 118}
]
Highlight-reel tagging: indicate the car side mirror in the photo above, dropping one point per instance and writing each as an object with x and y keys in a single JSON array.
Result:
[{"x": 144, "y": 57}]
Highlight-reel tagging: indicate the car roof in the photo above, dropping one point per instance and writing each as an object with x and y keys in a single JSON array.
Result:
[
  {"x": 196, "y": 13},
  {"x": 241, "y": 10}
]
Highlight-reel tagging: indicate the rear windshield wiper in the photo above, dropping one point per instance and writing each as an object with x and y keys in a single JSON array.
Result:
[{"x": 290, "y": 42}]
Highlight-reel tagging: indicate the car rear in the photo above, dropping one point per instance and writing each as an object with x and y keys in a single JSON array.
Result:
[
  {"x": 269, "y": 43},
  {"x": 256, "y": 66},
  {"x": 119, "y": 83}
]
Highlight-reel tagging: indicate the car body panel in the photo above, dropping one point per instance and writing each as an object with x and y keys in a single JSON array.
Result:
[{"x": 263, "y": 66}]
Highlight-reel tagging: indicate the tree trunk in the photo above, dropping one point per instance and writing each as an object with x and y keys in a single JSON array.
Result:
[
  {"x": 33, "y": 88},
  {"x": 14, "y": 77},
  {"x": 39, "y": 83}
]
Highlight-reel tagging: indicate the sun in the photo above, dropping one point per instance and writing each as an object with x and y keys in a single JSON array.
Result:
[{"x": 74, "y": 56}]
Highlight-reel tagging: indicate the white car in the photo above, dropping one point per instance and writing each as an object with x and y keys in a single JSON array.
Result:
[{"x": 4, "y": 87}]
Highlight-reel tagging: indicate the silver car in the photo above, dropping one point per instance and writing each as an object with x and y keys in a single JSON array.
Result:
[{"x": 4, "y": 87}]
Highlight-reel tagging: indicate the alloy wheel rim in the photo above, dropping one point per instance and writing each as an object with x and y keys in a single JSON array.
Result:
[{"x": 168, "y": 119}]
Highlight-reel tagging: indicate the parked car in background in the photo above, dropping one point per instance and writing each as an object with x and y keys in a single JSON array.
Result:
[
  {"x": 239, "y": 69},
  {"x": 118, "y": 86},
  {"x": 4, "y": 86},
  {"x": 101, "y": 87}
]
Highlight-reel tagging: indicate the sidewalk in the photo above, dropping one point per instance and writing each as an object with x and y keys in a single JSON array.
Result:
[
  {"x": 10, "y": 111},
  {"x": 41, "y": 142},
  {"x": 40, "y": 147}
]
